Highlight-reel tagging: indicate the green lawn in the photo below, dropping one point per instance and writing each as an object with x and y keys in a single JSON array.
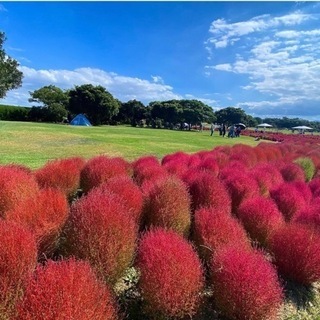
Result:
[{"x": 33, "y": 144}]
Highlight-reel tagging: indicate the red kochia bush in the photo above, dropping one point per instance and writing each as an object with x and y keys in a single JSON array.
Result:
[
  {"x": 260, "y": 217},
  {"x": 288, "y": 199},
  {"x": 245, "y": 285},
  {"x": 66, "y": 290},
  {"x": 209, "y": 164},
  {"x": 129, "y": 192},
  {"x": 171, "y": 275},
  {"x": 16, "y": 184},
  {"x": 207, "y": 191},
  {"x": 148, "y": 173},
  {"x": 296, "y": 249},
  {"x": 240, "y": 187},
  {"x": 63, "y": 174},
  {"x": 18, "y": 258},
  {"x": 168, "y": 205},
  {"x": 292, "y": 172},
  {"x": 213, "y": 229},
  {"x": 309, "y": 215},
  {"x": 268, "y": 177},
  {"x": 99, "y": 169},
  {"x": 101, "y": 231},
  {"x": 43, "y": 214}
]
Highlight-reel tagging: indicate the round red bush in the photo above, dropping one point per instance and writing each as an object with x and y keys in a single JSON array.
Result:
[
  {"x": 245, "y": 285},
  {"x": 292, "y": 172},
  {"x": 129, "y": 193},
  {"x": 18, "y": 258},
  {"x": 296, "y": 249},
  {"x": 66, "y": 290},
  {"x": 240, "y": 187},
  {"x": 45, "y": 215},
  {"x": 99, "y": 169},
  {"x": 100, "y": 230},
  {"x": 208, "y": 191},
  {"x": 16, "y": 185},
  {"x": 214, "y": 229},
  {"x": 288, "y": 199},
  {"x": 267, "y": 176},
  {"x": 209, "y": 164},
  {"x": 168, "y": 206},
  {"x": 171, "y": 275},
  {"x": 142, "y": 174},
  {"x": 63, "y": 174},
  {"x": 260, "y": 217},
  {"x": 309, "y": 215}
]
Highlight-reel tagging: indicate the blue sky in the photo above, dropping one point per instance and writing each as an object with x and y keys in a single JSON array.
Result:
[{"x": 261, "y": 56}]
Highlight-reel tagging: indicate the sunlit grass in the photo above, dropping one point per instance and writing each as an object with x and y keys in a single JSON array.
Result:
[{"x": 33, "y": 144}]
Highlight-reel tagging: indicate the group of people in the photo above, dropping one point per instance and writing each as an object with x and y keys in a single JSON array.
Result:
[{"x": 233, "y": 131}]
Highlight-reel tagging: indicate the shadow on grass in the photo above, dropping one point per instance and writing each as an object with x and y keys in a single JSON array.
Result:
[{"x": 299, "y": 295}]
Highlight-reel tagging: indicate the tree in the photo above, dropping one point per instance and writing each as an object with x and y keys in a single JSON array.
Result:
[
  {"x": 10, "y": 76},
  {"x": 54, "y": 102},
  {"x": 94, "y": 101},
  {"x": 231, "y": 115},
  {"x": 131, "y": 112},
  {"x": 49, "y": 95}
]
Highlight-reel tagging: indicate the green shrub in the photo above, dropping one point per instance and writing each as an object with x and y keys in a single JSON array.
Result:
[{"x": 307, "y": 166}]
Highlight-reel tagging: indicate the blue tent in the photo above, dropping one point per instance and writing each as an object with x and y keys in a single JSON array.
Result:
[{"x": 80, "y": 120}]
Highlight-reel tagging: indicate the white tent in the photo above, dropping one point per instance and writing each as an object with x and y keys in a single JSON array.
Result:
[
  {"x": 264, "y": 125},
  {"x": 302, "y": 128}
]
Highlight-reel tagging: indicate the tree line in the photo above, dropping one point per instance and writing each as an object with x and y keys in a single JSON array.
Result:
[{"x": 57, "y": 105}]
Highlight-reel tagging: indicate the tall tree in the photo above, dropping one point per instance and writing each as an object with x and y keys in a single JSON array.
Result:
[
  {"x": 231, "y": 115},
  {"x": 131, "y": 112},
  {"x": 10, "y": 75},
  {"x": 53, "y": 102},
  {"x": 94, "y": 101},
  {"x": 49, "y": 95}
]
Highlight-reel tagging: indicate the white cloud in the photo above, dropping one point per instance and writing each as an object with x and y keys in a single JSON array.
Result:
[
  {"x": 282, "y": 64},
  {"x": 223, "y": 67},
  {"x": 122, "y": 87},
  {"x": 224, "y": 33}
]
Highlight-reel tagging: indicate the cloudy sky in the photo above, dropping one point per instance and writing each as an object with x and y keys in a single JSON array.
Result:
[{"x": 261, "y": 56}]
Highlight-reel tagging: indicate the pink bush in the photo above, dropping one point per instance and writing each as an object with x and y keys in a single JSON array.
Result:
[
  {"x": 129, "y": 192},
  {"x": 288, "y": 199},
  {"x": 142, "y": 174},
  {"x": 44, "y": 215},
  {"x": 100, "y": 169},
  {"x": 240, "y": 187},
  {"x": 18, "y": 258},
  {"x": 171, "y": 275},
  {"x": 293, "y": 172},
  {"x": 100, "y": 230},
  {"x": 209, "y": 164},
  {"x": 214, "y": 229},
  {"x": 303, "y": 189},
  {"x": 296, "y": 249},
  {"x": 207, "y": 191},
  {"x": 168, "y": 206},
  {"x": 245, "y": 285},
  {"x": 314, "y": 186},
  {"x": 177, "y": 156},
  {"x": 267, "y": 176},
  {"x": 66, "y": 290},
  {"x": 16, "y": 185},
  {"x": 309, "y": 215},
  {"x": 63, "y": 174},
  {"x": 260, "y": 217},
  {"x": 145, "y": 161}
]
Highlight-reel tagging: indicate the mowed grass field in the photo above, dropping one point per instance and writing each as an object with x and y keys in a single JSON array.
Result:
[{"x": 33, "y": 144}]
